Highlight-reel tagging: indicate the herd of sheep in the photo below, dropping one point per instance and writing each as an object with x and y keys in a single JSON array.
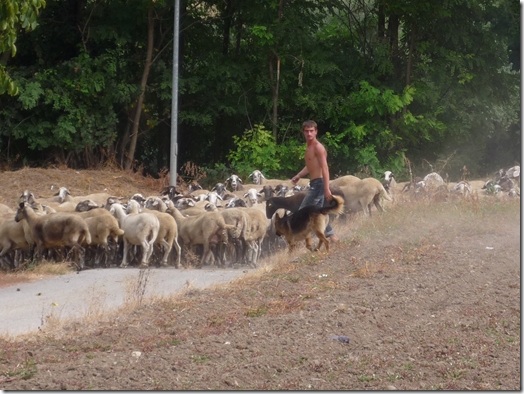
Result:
[{"x": 233, "y": 223}]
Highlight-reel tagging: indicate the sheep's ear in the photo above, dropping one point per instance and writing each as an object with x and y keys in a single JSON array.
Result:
[
  {"x": 262, "y": 175},
  {"x": 21, "y": 206},
  {"x": 259, "y": 195},
  {"x": 250, "y": 175},
  {"x": 245, "y": 195},
  {"x": 240, "y": 180},
  {"x": 56, "y": 194},
  {"x": 220, "y": 198}
]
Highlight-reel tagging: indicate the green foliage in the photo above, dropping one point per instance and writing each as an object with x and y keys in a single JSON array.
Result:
[
  {"x": 70, "y": 106},
  {"x": 419, "y": 78},
  {"x": 219, "y": 173},
  {"x": 257, "y": 150},
  {"x": 15, "y": 15}
]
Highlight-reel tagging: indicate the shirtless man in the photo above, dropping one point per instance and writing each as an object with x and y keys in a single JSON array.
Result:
[{"x": 317, "y": 168}]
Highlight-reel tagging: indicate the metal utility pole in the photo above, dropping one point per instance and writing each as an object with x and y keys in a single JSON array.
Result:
[{"x": 174, "y": 100}]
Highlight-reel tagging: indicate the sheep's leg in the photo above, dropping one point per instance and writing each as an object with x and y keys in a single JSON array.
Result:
[
  {"x": 147, "y": 250},
  {"x": 376, "y": 201},
  {"x": 79, "y": 255},
  {"x": 207, "y": 252},
  {"x": 259, "y": 244},
  {"x": 5, "y": 249},
  {"x": 248, "y": 252},
  {"x": 178, "y": 252},
  {"x": 167, "y": 249},
  {"x": 256, "y": 253},
  {"x": 127, "y": 246},
  {"x": 19, "y": 257}
]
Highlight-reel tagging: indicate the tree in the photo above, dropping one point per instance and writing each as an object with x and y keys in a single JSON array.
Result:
[{"x": 15, "y": 14}]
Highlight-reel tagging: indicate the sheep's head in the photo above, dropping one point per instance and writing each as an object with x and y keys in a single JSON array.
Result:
[
  {"x": 282, "y": 191},
  {"x": 235, "y": 181},
  {"x": 388, "y": 175},
  {"x": 194, "y": 186},
  {"x": 133, "y": 207},
  {"x": 138, "y": 198},
  {"x": 21, "y": 212},
  {"x": 213, "y": 197},
  {"x": 252, "y": 196},
  {"x": 62, "y": 194},
  {"x": 171, "y": 191},
  {"x": 267, "y": 191},
  {"x": 86, "y": 205},
  {"x": 155, "y": 203},
  {"x": 257, "y": 177},
  {"x": 236, "y": 202},
  {"x": 112, "y": 200},
  {"x": 27, "y": 196},
  {"x": 220, "y": 188},
  {"x": 210, "y": 207},
  {"x": 183, "y": 203}
]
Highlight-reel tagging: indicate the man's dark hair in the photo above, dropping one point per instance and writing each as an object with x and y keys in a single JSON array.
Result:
[{"x": 309, "y": 123}]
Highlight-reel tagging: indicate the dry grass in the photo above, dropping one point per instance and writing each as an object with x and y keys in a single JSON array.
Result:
[
  {"x": 34, "y": 273},
  {"x": 46, "y": 182}
]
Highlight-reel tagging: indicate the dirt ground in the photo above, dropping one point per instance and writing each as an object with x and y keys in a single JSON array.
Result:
[{"x": 427, "y": 293}]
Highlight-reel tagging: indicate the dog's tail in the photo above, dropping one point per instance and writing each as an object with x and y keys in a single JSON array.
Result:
[{"x": 336, "y": 207}]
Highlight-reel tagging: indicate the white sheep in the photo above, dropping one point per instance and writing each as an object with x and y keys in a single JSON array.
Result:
[
  {"x": 155, "y": 204},
  {"x": 168, "y": 231},
  {"x": 234, "y": 249},
  {"x": 344, "y": 181},
  {"x": 14, "y": 235},
  {"x": 462, "y": 188},
  {"x": 254, "y": 233},
  {"x": 139, "y": 229},
  {"x": 257, "y": 177},
  {"x": 102, "y": 227},
  {"x": 433, "y": 179},
  {"x": 59, "y": 229},
  {"x": 235, "y": 181},
  {"x": 214, "y": 198},
  {"x": 206, "y": 229},
  {"x": 389, "y": 181},
  {"x": 252, "y": 197},
  {"x": 360, "y": 195}
]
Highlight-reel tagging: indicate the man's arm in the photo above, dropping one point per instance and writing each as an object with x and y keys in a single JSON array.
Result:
[
  {"x": 301, "y": 174},
  {"x": 321, "y": 153}
]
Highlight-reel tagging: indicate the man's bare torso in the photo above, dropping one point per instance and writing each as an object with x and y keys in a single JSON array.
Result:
[{"x": 312, "y": 161}]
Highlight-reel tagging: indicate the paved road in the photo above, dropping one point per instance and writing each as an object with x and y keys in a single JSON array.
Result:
[{"x": 24, "y": 307}]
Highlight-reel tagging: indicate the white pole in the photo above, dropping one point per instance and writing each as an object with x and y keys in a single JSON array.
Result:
[{"x": 174, "y": 100}]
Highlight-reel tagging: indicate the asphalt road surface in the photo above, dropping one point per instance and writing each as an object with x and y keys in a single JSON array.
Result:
[{"x": 25, "y": 307}]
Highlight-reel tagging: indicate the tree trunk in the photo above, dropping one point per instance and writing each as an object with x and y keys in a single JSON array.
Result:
[
  {"x": 410, "y": 55},
  {"x": 393, "y": 25},
  {"x": 143, "y": 84},
  {"x": 227, "y": 26},
  {"x": 381, "y": 20},
  {"x": 275, "y": 87},
  {"x": 239, "y": 35}
]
